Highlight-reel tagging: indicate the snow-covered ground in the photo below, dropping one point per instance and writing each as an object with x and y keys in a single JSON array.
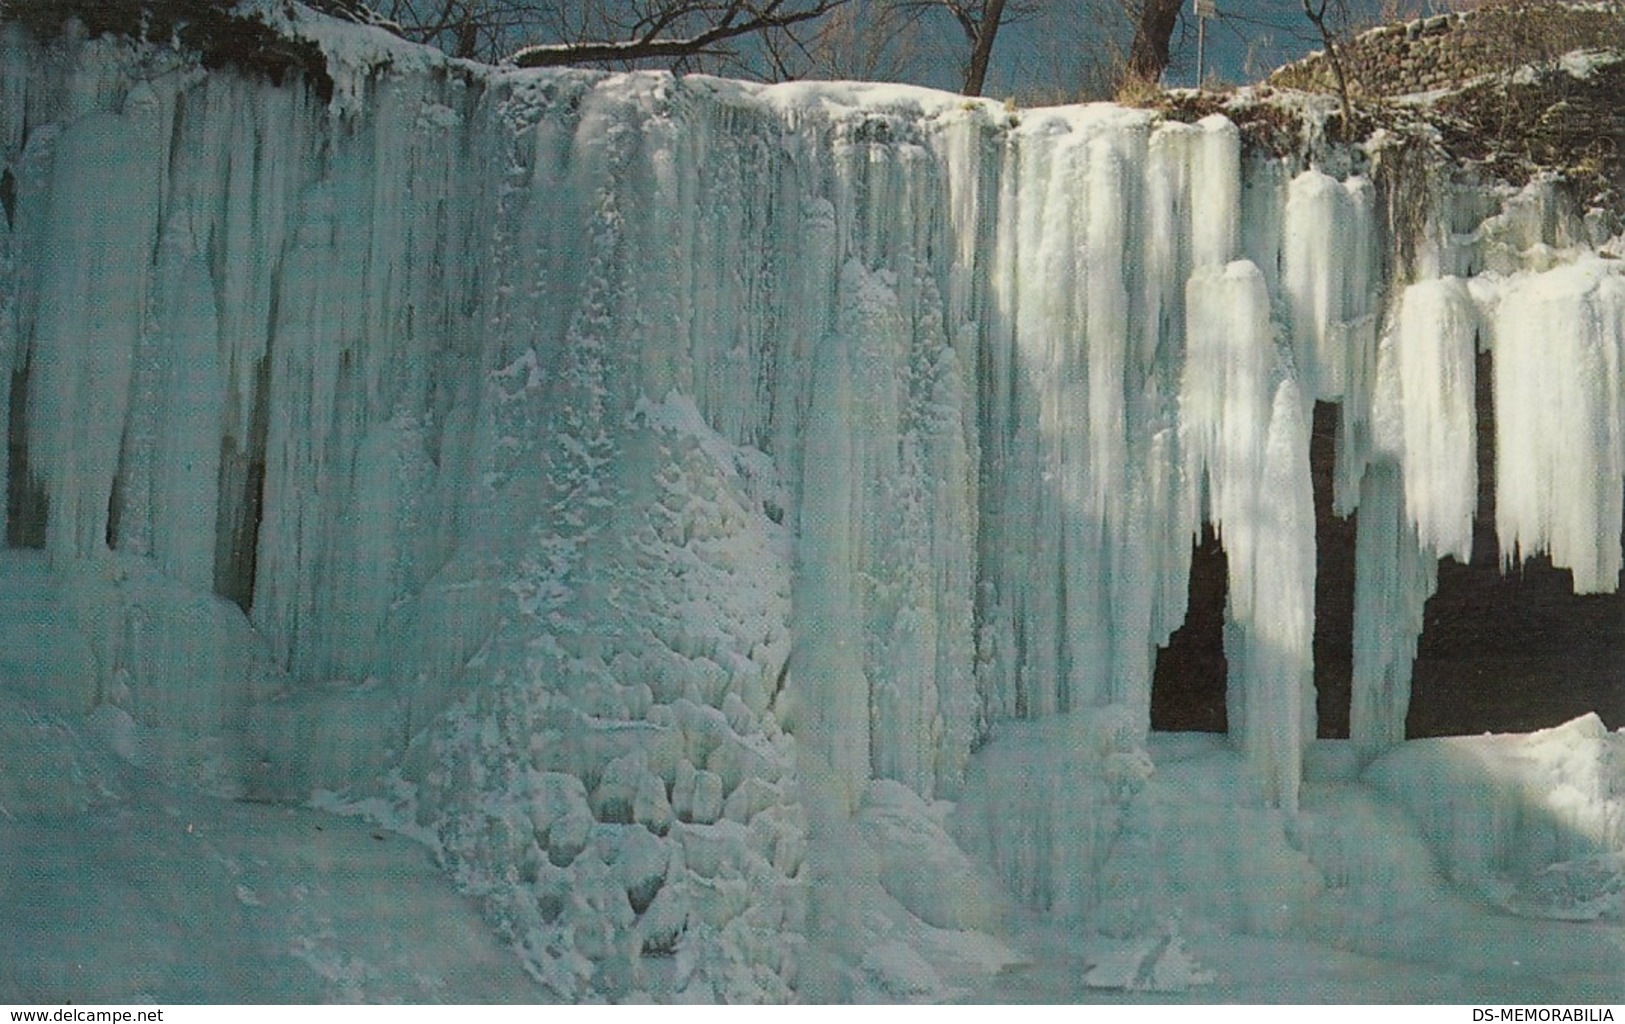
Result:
[
  {"x": 124, "y": 889},
  {"x": 720, "y": 536},
  {"x": 1472, "y": 869}
]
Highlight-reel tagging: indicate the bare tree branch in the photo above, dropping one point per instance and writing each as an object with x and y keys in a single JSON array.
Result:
[
  {"x": 1316, "y": 12},
  {"x": 736, "y": 20},
  {"x": 979, "y": 21}
]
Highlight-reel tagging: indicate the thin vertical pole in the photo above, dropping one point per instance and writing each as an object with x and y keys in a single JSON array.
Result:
[
  {"x": 1205, "y": 9},
  {"x": 1201, "y": 40}
]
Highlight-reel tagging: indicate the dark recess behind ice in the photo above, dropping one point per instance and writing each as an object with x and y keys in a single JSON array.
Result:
[{"x": 1509, "y": 652}]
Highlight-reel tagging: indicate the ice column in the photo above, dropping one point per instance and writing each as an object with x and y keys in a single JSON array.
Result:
[
  {"x": 1430, "y": 389},
  {"x": 1249, "y": 433},
  {"x": 1418, "y": 496},
  {"x": 185, "y": 495},
  {"x": 1560, "y": 453},
  {"x": 1393, "y": 578},
  {"x": 1275, "y": 690},
  {"x": 1327, "y": 276},
  {"x": 1215, "y": 192},
  {"x": 92, "y": 308},
  {"x": 827, "y": 661}
]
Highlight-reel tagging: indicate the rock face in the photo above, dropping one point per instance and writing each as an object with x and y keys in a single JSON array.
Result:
[
  {"x": 1448, "y": 50},
  {"x": 1521, "y": 90}
]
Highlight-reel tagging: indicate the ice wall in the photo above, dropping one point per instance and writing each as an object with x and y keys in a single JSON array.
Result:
[{"x": 635, "y": 467}]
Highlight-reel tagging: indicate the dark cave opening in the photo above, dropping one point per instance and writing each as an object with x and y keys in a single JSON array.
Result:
[
  {"x": 1514, "y": 652},
  {"x": 1498, "y": 653},
  {"x": 1188, "y": 684},
  {"x": 1334, "y": 582},
  {"x": 241, "y": 496}
]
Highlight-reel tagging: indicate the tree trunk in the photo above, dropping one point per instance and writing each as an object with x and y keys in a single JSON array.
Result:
[
  {"x": 468, "y": 38},
  {"x": 976, "y": 74},
  {"x": 1328, "y": 38},
  {"x": 1148, "y": 58}
]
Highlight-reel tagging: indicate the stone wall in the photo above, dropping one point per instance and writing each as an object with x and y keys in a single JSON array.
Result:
[{"x": 1451, "y": 49}]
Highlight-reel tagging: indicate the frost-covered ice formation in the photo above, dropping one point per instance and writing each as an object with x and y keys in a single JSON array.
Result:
[
  {"x": 631, "y": 474},
  {"x": 1543, "y": 836}
]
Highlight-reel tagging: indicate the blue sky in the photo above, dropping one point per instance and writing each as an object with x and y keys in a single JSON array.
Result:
[
  {"x": 1053, "y": 51},
  {"x": 1249, "y": 38}
]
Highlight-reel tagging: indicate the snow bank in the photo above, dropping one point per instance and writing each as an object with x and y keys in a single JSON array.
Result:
[
  {"x": 1048, "y": 841},
  {"x": 1533, "y": 823}
]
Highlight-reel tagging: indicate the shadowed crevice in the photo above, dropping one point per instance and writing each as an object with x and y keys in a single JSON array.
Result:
[{"x": 1188, "y": 685}]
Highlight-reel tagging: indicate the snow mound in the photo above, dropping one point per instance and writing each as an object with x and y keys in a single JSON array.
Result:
[
  {"x": 1533, "y": 823},
  {"x": 1200, "y": 842},
  {"x": 1048, "y": 842},
  {"x": 1149, "y": 965},
  {"x": 42, "y": 773},
  {"x": 920, "y": 866},
  {"x": 624, "y": 800}
]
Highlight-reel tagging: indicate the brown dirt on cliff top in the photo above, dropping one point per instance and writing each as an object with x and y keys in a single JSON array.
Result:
[
  {"x": 215, "y": 30},
  {"x": 1531, "y": 87},
  {"x": 1554, "y": 121}
]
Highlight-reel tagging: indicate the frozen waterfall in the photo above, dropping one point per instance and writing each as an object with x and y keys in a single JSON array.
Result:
[{"x": 617, "y": 452}]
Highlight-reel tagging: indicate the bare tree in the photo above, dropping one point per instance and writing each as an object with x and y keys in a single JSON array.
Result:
[
  {"x": 474, "y": 29},
  {"x": 987, "y": 28},
  {"x": 1105, "y": 30},
  {"x": 874, "y": 41},
  {"x": 1320, "y": 14},
  {"x": 1154, "y": 22},
  {"x": 980, "y": 21},
  {"x": 784, "y": 39},
  {"x": 1079, "y": 56}
]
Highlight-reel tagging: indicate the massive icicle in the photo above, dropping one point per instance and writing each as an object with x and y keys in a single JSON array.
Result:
[
  {"x": 1395, "y": 574},
  {"x": 1328, "y": 277},
  {"x": 1559, "y": 340},
  {"x": 1426, "y": 413}
]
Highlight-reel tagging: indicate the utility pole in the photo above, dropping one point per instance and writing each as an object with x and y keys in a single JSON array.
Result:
[{"x": 1205, "y": 9}]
